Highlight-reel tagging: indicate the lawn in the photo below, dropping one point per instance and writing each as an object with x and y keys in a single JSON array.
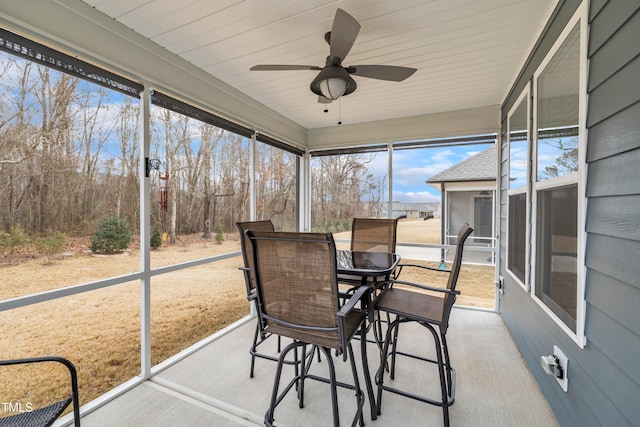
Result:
[{"x": 99, "y": 331}]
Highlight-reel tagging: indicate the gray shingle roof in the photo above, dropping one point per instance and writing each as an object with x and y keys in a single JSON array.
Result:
[{"x": 479, "y": 167}]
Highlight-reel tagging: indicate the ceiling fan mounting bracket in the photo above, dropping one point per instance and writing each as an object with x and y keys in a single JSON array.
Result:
[{"x": 327, "y": 37}]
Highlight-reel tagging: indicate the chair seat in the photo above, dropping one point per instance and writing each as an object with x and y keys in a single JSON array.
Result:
[
  {"x": 412, "y": 305},
  {"x": 329, "y": 339},
  {"x": 41, "y": 417},
  {"x": 428, "y": 310}
]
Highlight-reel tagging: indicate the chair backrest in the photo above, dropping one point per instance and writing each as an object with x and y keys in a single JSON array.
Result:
[
  {"x": 374, "y": 235},
  {"x": 463, "y": 233},
  {"x": 449, "y": 299},
  {"x": 297, "y": 284},
  {"x": 247, "y": 256},
  {"x": 47, "y": 414}
]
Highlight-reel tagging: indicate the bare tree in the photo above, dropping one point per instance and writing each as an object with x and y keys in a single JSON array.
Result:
[{"x": 343, "y": 187}]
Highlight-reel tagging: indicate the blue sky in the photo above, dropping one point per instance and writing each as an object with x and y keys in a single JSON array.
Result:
[{"x": 411, "y": 168}]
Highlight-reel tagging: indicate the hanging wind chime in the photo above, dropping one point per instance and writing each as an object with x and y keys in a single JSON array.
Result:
[{"x": 164, "y": 190}]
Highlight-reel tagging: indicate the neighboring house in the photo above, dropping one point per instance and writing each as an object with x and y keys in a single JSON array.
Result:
[
  {"x": 468, "y": 191},
  {"x": 416, "y": 210}
]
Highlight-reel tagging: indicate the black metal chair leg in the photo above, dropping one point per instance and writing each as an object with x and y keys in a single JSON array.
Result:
[
  {"x": 394, "y": 344},
  {"x": 303, "y": 374},
  {"x": 275, "y": 397},
  {"x": 447, "y": 362},
  {"x": 441, "y": 370},
  {"x": 268, "y": 417},
  {"x": 383, "y": 362},
  {"x": 367, "y": 374},
  {"x": 253, "y": 348},
  {"x": 356, "y": 383},
  {"x": 334, "y": 387}
]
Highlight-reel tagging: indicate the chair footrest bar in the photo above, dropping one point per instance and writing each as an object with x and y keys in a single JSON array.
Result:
[
  {"x": 452, "y": 387},
  {"x": 418, "y": 397},
  {"x": 414, "y": 356}
]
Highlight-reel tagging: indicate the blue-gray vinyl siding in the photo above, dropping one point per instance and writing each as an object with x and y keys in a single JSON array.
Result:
[{"x": 604, "y": 377}]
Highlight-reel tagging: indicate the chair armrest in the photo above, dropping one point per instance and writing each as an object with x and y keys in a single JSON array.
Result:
[
  {"x": 353, "y": 300},
  {"x": 361, "y": 294},
  {"x": 424, "y": 267},
  {"x": 58, "y": 359},
  {"x": 425, "y": 287}
]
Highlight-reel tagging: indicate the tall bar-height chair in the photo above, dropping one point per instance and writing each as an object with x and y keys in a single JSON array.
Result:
[
  {"x": 249, "y": 278},
  {"x": 44, "y": 416},
  {"x": 411, "y": 304},
  {"x": 374, "y": 234},
  {"x": 371, "y": 235},
  {"x": 298, "y": 297}
]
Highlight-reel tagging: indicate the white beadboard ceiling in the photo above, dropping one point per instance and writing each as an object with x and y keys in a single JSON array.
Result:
[{"x": 467, "y": 52}]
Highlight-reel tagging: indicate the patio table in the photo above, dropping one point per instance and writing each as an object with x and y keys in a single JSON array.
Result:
[{"x": 366, "y": 264}]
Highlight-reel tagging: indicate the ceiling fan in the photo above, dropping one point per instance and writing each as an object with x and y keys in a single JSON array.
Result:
[{"x": 334, "y": 80}]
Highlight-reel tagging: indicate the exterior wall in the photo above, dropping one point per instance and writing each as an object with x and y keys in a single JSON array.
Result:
[
  {"x": 459, "y": 208},
  {"x": 604, "y": 376},
  {"x": 413, "y": 214}
]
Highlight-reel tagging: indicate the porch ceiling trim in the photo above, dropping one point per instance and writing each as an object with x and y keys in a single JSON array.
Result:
[{"x": 472, "y": 121}]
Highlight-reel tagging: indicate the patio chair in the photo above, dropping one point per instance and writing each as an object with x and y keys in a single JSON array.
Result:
[
  {"x": 259, "y": 336},
  {"x": 430, "y": 310},
  {"x": 44, "y": 416},
  {"x": 371, "y": 235},
  {"x": 374, "y": 234},
  {"x": 298, "y": 298}
]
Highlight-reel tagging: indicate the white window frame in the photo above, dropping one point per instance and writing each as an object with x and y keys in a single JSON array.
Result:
[
  {"x": 579, "y": 178},
  {"x": 526, "y": 189}
]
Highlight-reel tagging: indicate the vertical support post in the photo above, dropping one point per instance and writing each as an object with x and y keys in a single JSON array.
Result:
[
  {"x": 304, "y": 176},
  {"x": 494, "y": 231},
  {"x": 498, "y": 206},
  {"x": 145, "y": 235},
  {"x": 252, "y": 178},
  {"x": 390, "y": 175},
  {"x": 252, "y": 198},
  {"x": 444, "y": 211},
  {"x": 299, "y": 208}
]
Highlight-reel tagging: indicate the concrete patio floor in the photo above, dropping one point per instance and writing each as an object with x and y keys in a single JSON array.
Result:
[{"x": 212, "y": 387}]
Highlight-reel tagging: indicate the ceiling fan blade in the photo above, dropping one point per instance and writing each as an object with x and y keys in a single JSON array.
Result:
[
  {"x": 323, "y": 100},
  {"x": 382, "y": 72},
  {"x": 283, "y": 67},
  {"x": 344, "y": 31}
]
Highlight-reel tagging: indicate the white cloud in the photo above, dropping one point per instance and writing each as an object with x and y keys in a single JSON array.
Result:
[{"x": 415, "y": 197}]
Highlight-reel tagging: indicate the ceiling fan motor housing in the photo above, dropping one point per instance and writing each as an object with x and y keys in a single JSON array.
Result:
[{"x": 333, "y": 72}]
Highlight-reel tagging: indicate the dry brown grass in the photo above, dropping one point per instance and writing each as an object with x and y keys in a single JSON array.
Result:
[{"x": 99, "y": 331}]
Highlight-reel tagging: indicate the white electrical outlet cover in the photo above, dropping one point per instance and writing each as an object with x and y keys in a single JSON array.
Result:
[{"x": 564, "y": 364}]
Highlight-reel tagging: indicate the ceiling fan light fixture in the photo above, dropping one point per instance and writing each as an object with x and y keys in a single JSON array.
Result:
[
  {"x": 333, "y": 88},
  {"x": 333, "y": 82}
]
